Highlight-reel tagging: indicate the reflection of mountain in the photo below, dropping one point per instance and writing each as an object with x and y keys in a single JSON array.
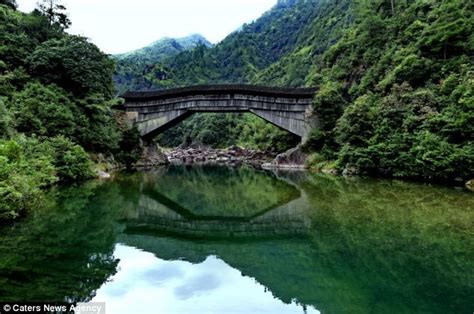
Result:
[
  {"x": 329, "y": 272},
  {"x": 371, "y": 247},
  {"x": 282, "y": 265},
  {"x": 368, "y": 247},
  {"x": 248, "y": 204}
]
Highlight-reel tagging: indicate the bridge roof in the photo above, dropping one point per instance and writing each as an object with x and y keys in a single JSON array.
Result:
[{"x": 220, "y": 89}]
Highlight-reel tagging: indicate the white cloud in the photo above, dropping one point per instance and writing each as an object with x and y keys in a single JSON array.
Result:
[
  {"x": 142, "y": 285},
  {"x": 122, "y": 25}
]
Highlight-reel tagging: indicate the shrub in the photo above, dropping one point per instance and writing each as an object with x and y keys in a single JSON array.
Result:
[
  {"x": 74, "y": 64},
  {"x": 43, "y": 111},
  {"x": 129, "y": 147},
  {"x": 22, "y": 175},
  {"x": 71, "y": 161}
]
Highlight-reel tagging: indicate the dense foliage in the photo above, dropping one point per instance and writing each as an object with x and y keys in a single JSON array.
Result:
[
  {"x": 29, "y": 164},
  {"x": 395, "y": 82},
  {"x": 74, "y": 64},
  {"x": 56, "y": 94},
  {"x": 405, "y": 80}
]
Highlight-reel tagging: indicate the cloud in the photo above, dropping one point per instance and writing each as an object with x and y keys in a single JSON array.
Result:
[{"x": 118, "y": 26}]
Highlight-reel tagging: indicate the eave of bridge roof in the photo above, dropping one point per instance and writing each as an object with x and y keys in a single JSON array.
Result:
[{"x": 220, "y": 90}]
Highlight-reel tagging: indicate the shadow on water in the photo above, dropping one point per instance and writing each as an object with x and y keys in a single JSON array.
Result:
[{"x": 341, "y": 246}]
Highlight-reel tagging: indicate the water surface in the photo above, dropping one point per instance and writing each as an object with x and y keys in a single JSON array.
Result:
[{"x": 222, "y": 240}]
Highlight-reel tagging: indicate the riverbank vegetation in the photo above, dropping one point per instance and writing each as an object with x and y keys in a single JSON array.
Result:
[
  {"x": 397, "y": 89},
  {"x": 56, "y": 93}
]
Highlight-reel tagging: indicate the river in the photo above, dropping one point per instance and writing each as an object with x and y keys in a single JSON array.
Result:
[{"x": 209, "y": 239}]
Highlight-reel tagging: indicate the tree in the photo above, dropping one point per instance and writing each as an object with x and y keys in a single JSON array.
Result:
[
  {"x": 75, "y": 64},
  {"x": 449, "y": 31},
  {"x": 55, "y": 12},
  {"x": 100, "y": 132},
  {"x": 22, "y": 175},
  {"x": 43, "y": 111},
  {"x": 11, "y": 3},
  {"x": 6, "y": 123},
  {"x": 72, "y": 163}
]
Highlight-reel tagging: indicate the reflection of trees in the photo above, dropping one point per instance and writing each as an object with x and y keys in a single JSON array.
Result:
[
  {"x": 240, "y": 203},
  {"x": 374, "y": 246},
  {"x": 221, "y": 191},
  {"x": 398, "y": 245},
  {"x": 64, "y": 252}
]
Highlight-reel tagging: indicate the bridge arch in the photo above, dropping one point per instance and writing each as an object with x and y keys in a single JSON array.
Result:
[{"x": 155, "y": 111}]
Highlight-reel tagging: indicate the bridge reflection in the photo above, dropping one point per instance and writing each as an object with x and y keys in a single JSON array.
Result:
[
  {"x": 373, "y": 247},
  {"x": 227, "y": 203}
]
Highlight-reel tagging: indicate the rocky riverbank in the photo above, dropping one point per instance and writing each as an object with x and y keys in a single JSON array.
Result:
[
  {"x": 232, "y": 156},
  {"x": 293, "y": 159}
]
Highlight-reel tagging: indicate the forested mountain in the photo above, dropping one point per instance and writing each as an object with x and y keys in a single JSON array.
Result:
[
  {"x": 396, "y": 92},
  {"x": 395, "y": 83},
  {"x": 164, "y": 47},
  {"x": 243, "y": 57},
  {"x": 141, "y": 69}
]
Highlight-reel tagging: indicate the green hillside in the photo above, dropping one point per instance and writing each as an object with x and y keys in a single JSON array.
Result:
[
  {"x": 243, "y": 57},
  {"x": 397, "y": 92},
  {"x": 140, "y": 69},
  {"x": 395, "y": 80},
  {"x": 56, "y": 95}
]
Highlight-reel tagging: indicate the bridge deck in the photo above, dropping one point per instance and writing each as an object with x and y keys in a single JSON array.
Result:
[{"x": 132, "y": 96}]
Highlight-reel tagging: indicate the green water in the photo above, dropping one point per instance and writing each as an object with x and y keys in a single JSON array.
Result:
[{"x": 220, "y": 240}]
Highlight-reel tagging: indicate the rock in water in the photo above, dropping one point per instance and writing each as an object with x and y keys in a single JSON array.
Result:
[
  {"x": 470, "y": 185},
  {"x": 349, "y": 171},
  {"x": 232, "y": 156}
]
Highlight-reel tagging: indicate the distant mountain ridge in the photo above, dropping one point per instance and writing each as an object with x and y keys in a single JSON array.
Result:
[
  {"x": 244, "y": 54},
  {"x": 134, "y": 67},
  {"x": 165, "y": 46}
]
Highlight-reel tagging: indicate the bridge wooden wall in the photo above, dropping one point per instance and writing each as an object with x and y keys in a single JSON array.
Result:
[{"x": 156, "y": 112}]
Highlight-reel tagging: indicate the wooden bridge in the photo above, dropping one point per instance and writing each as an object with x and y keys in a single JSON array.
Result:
[{"x": 155, "y": 111}]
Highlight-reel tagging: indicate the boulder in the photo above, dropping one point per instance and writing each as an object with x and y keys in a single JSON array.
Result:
[
  {"x": 329, "y": 171},
  {"x": 470, "y": 185},
  {"x": 350, "y": 170},
  {"x": 151, "y": 156},
  {"x": 231, "y": 156},
  {"x": 103, "y": 175},
  {"x": 292, "y": 159}
]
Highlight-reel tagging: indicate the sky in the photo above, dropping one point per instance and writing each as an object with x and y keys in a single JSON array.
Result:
[
  {"x": 118, "y": 26},
  {"x": 210, "y": 286}
]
